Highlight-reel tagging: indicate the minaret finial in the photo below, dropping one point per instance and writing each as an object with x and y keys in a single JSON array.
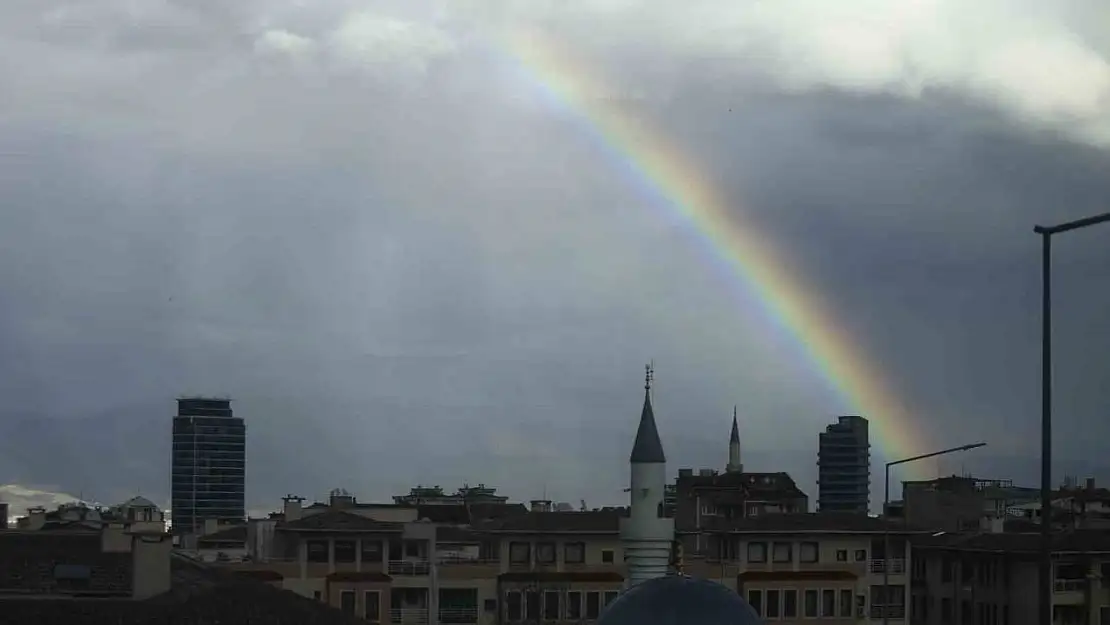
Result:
[{"x": 647, "y": 377}]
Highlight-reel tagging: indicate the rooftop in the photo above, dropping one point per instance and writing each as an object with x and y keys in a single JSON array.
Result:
[{"x": 1074, "y": 541}]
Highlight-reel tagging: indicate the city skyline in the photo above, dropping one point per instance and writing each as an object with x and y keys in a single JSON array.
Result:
[{"x": 429, "y": 245}]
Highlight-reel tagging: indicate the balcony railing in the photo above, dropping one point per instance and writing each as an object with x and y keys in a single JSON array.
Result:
[
  {"x": 409, "y": 616},
  {"x": 463, "y": 560},
  {"x": 897, "y": 566},
  {"x": 1069, "y": 585},
  {"x": 892, "y": 611},
  {"x": 458, "y": 615},
  {"x": 408, "y": 567}
]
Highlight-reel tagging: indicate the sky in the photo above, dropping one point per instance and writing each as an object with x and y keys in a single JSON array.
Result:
[{"x": 410, "y": 257}]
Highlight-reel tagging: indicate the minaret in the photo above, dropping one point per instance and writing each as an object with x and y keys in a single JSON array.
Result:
[
  {"x": 734, "y": 464},
  {"x": 646, "y": 535}
]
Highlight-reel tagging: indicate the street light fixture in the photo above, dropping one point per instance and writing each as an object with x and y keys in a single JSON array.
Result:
[
  {"x": 1044, "y": 591},
  {"x": 886, "y": 520}
]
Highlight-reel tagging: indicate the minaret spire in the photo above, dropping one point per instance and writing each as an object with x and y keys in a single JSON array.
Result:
[
  {"x": 647, "y": 533},
  {"x": 734, "y": 464}
]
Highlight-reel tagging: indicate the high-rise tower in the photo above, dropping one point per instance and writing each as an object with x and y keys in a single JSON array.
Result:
[
  {"x": 734, "y": 463},
  {"x": 646, "y": 534},
  {"x": 844, "y": 466},
  {"x": 208, "y": 474}
]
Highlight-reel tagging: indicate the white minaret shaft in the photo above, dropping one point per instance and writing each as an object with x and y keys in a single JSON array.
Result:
[
  {"x": 646, "y": 534},
  {"x": 734, "y": 463}
]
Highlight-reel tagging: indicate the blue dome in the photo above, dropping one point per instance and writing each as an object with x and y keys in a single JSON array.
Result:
[{"x": 679, "y": 600}]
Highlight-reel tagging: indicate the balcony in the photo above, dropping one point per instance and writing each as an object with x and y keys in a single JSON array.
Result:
[
  {"x": 1069, "y": 585},
  {"x": 458, "y": 615},
  {"x": 893, "y": 612},
  {"x": 897, "y": 566},
  {"x": 408, "y": 616},
  {"x": 408, "y": 568}
]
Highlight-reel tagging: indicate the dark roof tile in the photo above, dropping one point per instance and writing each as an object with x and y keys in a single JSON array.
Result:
[{"x": 339, "y": 520}]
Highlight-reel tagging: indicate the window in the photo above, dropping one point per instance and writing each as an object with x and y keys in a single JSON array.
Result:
[
  {"x": 828, "y": 603},
  {"x": 574, "y": 553},
  {"x": 371, "y": 550},
  {"x": 545, "y": 553},
  {"x": 773, "y": 609},
  {"x": 607, "y": 556},
  {"x": 757, "y": 552},
  {"x": 372, "y": 606},
  {"x": 946, "y": 611},
  {"x": 790, "y": 603},
  {"x": 412, "y": 549},
  {"x": 347, "y": 601},
  {"x": 489, "y": 605},
  {"x": 807, "y": 552},
  {"x": 531, "y": 605},
  {"x": 846, "y": 603},
  {"x": 344, "y": 551},
  {"x": 551, "y": 604},
  {"x": 610, "y": 596},
  {"x": 316, "y": 595},
  {"x": 782, "y": 552},
  {"x": 810, "y": 604},
  {"x": 514, "y": 606},
  {"x": 841, "y": 555},
  {"x": 574, "y": 605},
  {"x": 593, "y": 605},
  {"x": 317, "y": 550},
  {"x": 520, "y": 553},
  {"x": 755, "y": 599},
  {"x": 861, "y": 555}
]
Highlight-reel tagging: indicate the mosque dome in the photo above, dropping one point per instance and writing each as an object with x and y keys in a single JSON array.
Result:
[{"x": 679, "y": 600}]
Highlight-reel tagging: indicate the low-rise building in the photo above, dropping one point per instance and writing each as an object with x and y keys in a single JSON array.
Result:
[
  {"x": 991, "y": 578},
  {"x": 801, "y": 567}
]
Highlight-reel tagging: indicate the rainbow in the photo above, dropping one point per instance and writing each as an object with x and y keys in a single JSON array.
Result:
[{"x": 674, "y": 178}]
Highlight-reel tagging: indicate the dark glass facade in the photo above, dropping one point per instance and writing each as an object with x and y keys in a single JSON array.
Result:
[
  {"x": 208, "y": 475},
  {"x": 844, "y": 467}
]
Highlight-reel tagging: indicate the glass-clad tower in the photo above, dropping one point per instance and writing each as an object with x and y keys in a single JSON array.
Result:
[{"x": 208, "y": 475}]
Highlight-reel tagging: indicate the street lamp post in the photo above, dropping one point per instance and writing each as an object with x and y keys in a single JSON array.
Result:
[
  {"x": 886, "y": 520},
  {"x": 1044, "y": 592}
]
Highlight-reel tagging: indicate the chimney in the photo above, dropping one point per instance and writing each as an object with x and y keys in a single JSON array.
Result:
[
  {"x": 993, "y": 524},
  {"x": 36, "y": 517},
  {"x": 340, "y": 498},
  {"x": 292, "y": 509}
]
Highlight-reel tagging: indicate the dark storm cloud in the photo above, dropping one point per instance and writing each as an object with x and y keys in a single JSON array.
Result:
[{"x": 416, "y": 272}]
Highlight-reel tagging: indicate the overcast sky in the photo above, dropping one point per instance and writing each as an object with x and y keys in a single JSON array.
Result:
[{"x": 372, "y": 227}]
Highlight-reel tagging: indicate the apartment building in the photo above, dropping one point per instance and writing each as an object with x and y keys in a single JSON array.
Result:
[
  {"x": 810, "y": 567},
  {"x": 844, "y": 466},
  {"x": 991, "y": 579},
  {"x": 383, "y": 564}
]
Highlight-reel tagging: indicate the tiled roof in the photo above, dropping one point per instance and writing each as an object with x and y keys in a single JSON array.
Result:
[
  {"x": 593, "y": 521},
  {"x": 339, "y": 520},
  {"x": 814, "y": 522},
  {"x": 28, "y": 560},
  {"x": 466, "y": 514},
  {"x": 200, "y": 594},
  {"x": 1019, "y": 542},
  {"x": 778, "y": 485},
  {"x": 228, "y": 534}
]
